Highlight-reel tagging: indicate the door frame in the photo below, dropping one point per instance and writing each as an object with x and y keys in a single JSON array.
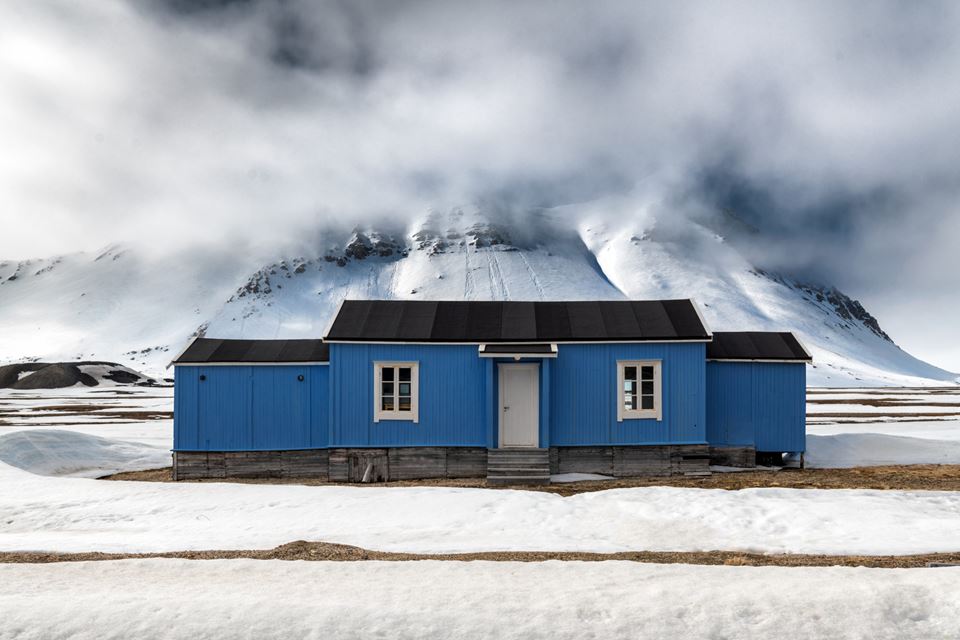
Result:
[{"x": 535, "y": 401}]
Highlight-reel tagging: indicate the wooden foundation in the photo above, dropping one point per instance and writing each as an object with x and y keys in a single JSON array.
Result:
[
  {"x": 744, "y": 457},
  {"x": 418, "y": 463}
]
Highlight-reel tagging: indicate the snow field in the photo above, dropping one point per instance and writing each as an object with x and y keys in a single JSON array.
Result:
[
  {"x": 430, "y": 599},
  {"x": 50, "y": 452},
  {"x": 74, "y": 514}
]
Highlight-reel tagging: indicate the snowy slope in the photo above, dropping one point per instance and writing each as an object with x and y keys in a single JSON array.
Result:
[
  {"x": 503, "y": 600},
  {"x": 129, "y": 305}
]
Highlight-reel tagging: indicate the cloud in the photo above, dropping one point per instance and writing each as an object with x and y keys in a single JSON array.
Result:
[{"x": 830, "y": 126}]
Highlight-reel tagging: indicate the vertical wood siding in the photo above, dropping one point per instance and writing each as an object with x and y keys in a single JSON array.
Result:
[
  {"x": 759, "y": 404},
  {"x": 185, "y": 408},
  {"x": 452, "y": 389},
  {"x": 584, "y": 395},
  {"x": 247, "y": 408}
]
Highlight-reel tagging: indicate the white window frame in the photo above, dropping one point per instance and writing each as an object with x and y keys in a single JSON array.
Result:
[
  {"x": 408, "y": 416},
  {"x": 640, "y": 414}
]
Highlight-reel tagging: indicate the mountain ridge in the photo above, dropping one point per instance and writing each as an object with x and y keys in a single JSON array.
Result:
[{"x": 125, "y": 305}]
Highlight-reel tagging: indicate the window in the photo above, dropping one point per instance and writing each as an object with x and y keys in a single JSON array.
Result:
[
  {"x": 396, "y": 387},
  {"x": 638, "y": 389}
]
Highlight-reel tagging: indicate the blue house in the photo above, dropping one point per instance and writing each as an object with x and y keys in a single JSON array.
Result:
[{"x": 511, "y": 391}]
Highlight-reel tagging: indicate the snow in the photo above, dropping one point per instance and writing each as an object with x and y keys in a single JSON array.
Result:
[
  {"x": 556, "y": 600},
  {"x": 78, "y": 514},
  {"x": 105, "y": 305},
  {"x": 873, "y": 449},
  {"x": 52, "y": 452},
  {"x": 75, "y": 514}
]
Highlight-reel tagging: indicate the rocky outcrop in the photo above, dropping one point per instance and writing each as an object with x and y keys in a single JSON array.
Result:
[{"x": 59, "y": 375}]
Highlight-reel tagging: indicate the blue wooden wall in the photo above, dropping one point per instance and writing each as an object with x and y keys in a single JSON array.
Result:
[
  {"x": 250, "y": 408},
  {"x": 584, "y": 395},
  {"x": 453, "y": 410},
  {"x": 759, "y": 404}
]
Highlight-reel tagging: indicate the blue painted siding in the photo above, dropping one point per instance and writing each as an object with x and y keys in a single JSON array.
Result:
[
  {"x": 185, "y": 408},
  {"x": 250, "y": 408},
  {"x": 763, "y": 404},
  {"x": 584, "y": 395},
  {"x": 453, "y": 391}
]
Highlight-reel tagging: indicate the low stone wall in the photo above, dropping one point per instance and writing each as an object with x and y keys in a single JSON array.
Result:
[
  {"x": 745, "y": 457},
  {"x": 417, "y": 463}
]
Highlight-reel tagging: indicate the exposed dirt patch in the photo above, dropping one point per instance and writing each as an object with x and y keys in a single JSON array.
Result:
[
  {"x": 927, "y": 477},
  {"x": 882, "y": 402},
  {"x": 68, "y": 408},
  {"x": 301, "y": 550}
]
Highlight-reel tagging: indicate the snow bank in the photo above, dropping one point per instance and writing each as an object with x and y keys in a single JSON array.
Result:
[
  {"x": 53, "y": 452},
  {"x": 71, "y": 514},
  {"x": 873, "y": 449},
  {"x": 556, "y": 600}
]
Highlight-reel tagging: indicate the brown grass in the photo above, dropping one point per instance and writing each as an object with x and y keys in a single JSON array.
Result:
[
  {"x": 926, "y": 477},
  {"x": 301, "y": 550}
]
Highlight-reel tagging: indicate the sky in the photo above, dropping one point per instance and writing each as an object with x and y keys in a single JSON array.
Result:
[{"x": 831, "y": 127}]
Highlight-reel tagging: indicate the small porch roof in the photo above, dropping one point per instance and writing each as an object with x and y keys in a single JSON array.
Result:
[{"x": 517, "y": 351}]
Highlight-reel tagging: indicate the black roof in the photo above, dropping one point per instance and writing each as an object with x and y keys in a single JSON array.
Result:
[
  {"x": 212, "y": 350},
  {"x": 472, "y": 321},
  {"x": 756, "y": 345}
]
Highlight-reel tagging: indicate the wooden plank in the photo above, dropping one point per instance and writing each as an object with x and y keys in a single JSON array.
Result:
[
  {"x": 367, "y": 465},
  {"x": 744, "y": 457},
  {"x": 338, "y": 467},
  {"x": 630, "y": 462},
  {"x": 585, "y": 460},
  {"x": 554, "y": 460},
  {"x": 466, "y": 462},
  {"x": 252, "y": 464},
  {"x": 410, "y": 463},
  {"x": 313, "y": 463}
]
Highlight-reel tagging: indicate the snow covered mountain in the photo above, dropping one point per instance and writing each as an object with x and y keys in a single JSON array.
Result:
[{"x": 129, "y": 304}]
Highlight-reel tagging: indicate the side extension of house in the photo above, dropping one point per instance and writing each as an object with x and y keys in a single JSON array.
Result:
[{"x": 511, "y": 391}]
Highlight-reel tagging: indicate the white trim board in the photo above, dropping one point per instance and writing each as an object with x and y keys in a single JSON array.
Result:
[
  {"x": 395, "y": 415},
  {"x": 559, "y": 342},
  {"x": 641, "y": 414},
  {"x": 760, "y": 360},
  {"x": 251, "y": 364}
]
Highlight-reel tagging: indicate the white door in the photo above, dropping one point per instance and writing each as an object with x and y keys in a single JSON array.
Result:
[{"x": 519, "y": 405}]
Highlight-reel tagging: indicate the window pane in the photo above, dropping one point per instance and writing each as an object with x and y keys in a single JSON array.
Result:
[
  {"x": 629, "y": 373},
  {"x": 629, "y": 386},
  {"x": 630, "y": 402},
  {"x": 404, "y": 403},
  {"x": 386, "y": 389},
  {"x": 647, "y": 373},
  {"x": 647, "y": 387},
  {"x": 387, "y": 374},
  {"x": 405, "y": 374},
  {"x": 386, "y": 403},
  {"x": 404, "y": 388},
  {"x": 647, "y": 402}
]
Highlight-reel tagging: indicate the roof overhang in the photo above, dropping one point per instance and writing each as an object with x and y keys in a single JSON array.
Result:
[
  {"x": 518, "y": 351},
  {"x": 762, "y": 360},
  {"x": 239, "y": 363}
]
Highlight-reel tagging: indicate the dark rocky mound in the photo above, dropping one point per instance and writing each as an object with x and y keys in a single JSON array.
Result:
[{"x": 58, "y": 375}]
